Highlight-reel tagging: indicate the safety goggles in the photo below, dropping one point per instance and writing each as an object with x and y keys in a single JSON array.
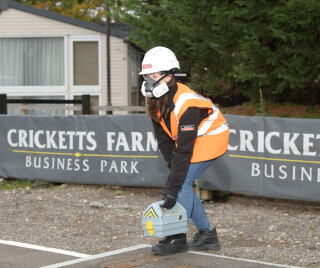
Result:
[{"x": 145, "y": 76}]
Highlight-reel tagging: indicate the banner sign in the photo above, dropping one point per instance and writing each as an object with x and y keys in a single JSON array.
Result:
[
  {"x": 118, "y": 150},
  {"x": 271, "y": 157}
]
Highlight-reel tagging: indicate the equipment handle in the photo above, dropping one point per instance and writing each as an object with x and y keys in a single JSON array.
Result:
[
  {"x": 176, "y": 208},
  {"x": 160, "y": 203}
]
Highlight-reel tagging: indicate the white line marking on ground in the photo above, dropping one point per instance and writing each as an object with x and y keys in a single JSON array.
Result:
[
  {"x": 245, "y": 260},
  {"x": 102, "y": 255},
  {"x": 85, "y": 257},
  {"x": 53, "y": 250}
]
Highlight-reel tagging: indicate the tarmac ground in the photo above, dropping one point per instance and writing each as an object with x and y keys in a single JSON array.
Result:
[{"x": 18, "y": 255}]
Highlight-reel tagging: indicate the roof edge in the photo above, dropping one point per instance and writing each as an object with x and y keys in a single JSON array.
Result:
[
  {"x": 4, "y": 4},
  {"x": 117, "y": 29}
]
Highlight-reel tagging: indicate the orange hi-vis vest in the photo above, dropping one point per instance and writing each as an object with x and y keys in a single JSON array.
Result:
[{"x": 213, "y": 131}]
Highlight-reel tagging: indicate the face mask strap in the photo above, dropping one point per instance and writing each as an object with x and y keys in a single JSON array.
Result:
[
  {"x": 158, "y": 81},
  {"x": 161, "y": 73}
]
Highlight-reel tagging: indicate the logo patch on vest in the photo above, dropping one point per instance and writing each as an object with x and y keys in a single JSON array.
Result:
[{"x": 187, "y": 128}]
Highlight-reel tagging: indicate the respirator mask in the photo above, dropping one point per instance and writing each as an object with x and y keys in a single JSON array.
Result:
[{"x": 154, "y": 89}]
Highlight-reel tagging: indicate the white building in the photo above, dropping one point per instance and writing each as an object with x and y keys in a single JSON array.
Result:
[{"x": 47, "y": 55}]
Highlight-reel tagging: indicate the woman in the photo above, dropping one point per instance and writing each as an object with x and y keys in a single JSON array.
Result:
[{"x": 191, "y": 133}]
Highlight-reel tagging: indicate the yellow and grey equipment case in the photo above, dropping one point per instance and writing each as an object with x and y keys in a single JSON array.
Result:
[{"x": 158, "y": 222}]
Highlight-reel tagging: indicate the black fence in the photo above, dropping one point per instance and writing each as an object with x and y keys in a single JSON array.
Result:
[{"x": 84, "y": 101}]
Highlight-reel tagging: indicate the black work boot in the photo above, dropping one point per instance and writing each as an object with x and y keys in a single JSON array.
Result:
[
  {"x": 170, "y": 245},
  {"x": 205, "y": 240}
]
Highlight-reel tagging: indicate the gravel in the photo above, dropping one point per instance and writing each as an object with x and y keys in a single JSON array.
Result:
[{"x": 94, "y": 219}]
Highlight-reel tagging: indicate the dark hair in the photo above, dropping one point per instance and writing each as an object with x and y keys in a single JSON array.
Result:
[{"x": 161, "y": 104}]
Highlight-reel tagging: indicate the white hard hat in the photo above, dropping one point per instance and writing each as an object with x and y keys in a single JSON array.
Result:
[{"x": 159, "y": 59}]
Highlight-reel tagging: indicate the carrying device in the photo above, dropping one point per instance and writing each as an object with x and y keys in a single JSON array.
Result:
[{"x": 159, "y": 222}]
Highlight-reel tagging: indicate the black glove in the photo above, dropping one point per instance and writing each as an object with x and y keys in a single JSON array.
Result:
[{"x": 169, "y": 201}]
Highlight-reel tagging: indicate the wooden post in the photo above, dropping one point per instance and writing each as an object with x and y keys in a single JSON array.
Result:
[
  {"x": 85, "y": 104},
  {"x": 108, "y": 57},
  {"x": 3, "y": 104},
  {"x": 203, "y": 194}
]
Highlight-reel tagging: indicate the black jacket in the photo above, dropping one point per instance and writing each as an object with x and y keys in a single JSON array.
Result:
[{"x": 178, "y": 158}]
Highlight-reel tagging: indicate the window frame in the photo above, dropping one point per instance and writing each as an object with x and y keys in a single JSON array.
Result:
[
  {"x": 85, "y": 89},
  {"x": 38, "y": 90}
]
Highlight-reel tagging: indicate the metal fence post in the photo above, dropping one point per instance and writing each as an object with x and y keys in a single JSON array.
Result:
[
  {"x": 3, "y": 104},
  {"x": 85, "y": 104}
]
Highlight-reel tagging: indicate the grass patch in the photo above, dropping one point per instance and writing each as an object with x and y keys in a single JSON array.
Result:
[
  {"x": 118, "y": 192},
  {"x": 285, "y": 115},
  {"x": 285, "y": 110},
  {"x": 15, "y": 184}
]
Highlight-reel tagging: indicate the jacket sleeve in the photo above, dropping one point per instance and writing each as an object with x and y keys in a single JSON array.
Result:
[
  {"x": 165, "y": 143},
  {"x": 187, "y": 134}
]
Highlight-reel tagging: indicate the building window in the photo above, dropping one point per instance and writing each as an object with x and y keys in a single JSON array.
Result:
[
  {"x": 85, "y": 63},
  {"x": 32, "y": 61}
]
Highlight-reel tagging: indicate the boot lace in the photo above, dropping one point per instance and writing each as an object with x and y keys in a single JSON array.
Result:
[
  {"x": 196, "y": 236},
  {"x": 199, "y": 234},
  {"x": 165, "y": 240}
]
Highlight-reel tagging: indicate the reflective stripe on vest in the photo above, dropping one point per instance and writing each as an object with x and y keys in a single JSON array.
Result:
[
  {"x": 207, "y": 123},
  {"x": 184, "y": 97}
]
